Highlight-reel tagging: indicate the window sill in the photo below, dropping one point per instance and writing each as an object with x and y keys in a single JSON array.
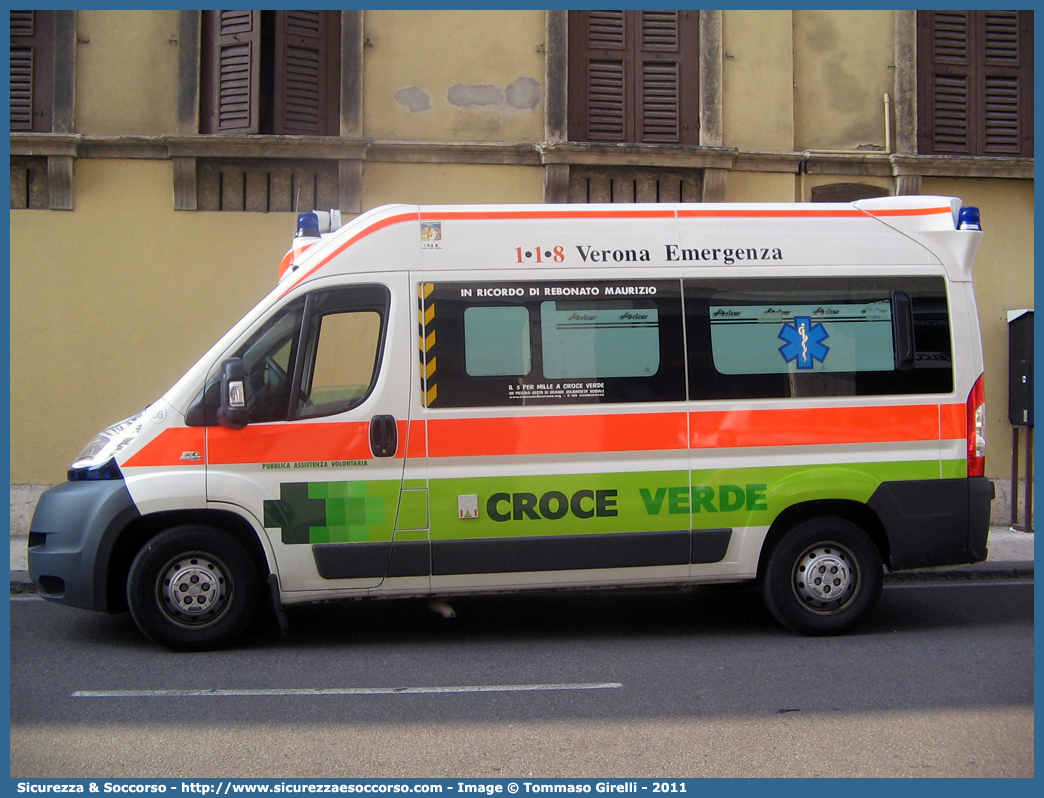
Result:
[
  {"x": 42, "y": 164},
  {"x": 962, "y": 166},
  {"x": 646, "y": 155}
]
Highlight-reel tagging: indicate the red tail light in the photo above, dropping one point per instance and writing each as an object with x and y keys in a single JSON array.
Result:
[{"x": 976, "y": 423}]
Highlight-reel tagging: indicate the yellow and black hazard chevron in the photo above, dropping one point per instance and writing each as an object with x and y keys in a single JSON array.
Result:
[{"x": 425, "y": 317}]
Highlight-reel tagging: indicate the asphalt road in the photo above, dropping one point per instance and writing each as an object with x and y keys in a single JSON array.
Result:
[{"x": 938, "y": 683}]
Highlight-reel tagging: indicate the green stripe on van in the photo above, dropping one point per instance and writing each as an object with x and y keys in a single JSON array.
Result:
[{"x": 574, "y": 504}]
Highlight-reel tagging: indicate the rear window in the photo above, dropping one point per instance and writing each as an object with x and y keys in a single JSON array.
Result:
[{"x": 816, "y": 337}]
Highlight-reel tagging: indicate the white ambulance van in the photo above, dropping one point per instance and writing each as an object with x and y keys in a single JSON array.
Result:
[{"x": 437, "y": 401}]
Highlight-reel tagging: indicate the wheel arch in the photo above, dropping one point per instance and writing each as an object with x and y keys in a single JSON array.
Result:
[
  {"x": 136, "y": 534},
  {"x": 856, "y": 512}
]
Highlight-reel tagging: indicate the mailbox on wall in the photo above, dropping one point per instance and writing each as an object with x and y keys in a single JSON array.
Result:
[{"x": 1020, "y": 367}]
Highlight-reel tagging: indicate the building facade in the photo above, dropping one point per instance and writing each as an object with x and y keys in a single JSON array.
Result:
[{"x": 158, "y": 157}]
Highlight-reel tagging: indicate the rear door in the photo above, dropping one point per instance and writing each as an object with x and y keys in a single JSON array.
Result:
[{"x": 320, "y": 464}]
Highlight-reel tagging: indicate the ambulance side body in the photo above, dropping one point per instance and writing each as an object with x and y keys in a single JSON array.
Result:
[{"x": 549, "y": 397}]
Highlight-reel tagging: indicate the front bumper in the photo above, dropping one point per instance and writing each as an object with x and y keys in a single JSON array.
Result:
[{"x": 71, "y": 538}]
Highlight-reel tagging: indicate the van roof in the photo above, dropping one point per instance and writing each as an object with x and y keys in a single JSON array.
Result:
[{"x": 905, "y": 230}]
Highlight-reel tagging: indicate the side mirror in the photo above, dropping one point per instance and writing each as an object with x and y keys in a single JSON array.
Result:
[{"x": 232, "y": 412}]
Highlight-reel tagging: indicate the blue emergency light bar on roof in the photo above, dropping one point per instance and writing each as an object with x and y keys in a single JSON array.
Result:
[
  {"x": 307, "y": 225},
  {"x": 969, "y": 219}
]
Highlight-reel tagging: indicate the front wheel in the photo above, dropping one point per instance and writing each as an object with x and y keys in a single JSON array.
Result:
[
  {"x": 823, "y": 577},
  {"x": 193, "y": 588}
]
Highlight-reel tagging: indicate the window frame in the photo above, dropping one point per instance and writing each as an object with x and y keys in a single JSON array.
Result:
[
  {"x": 444, "y": 370},
  {"x": 705, "y": 383},
  {"x": 303, "y": 339},
  {"x": 632, "y": 58},
  {"x": 304, "y": 380},
  {"x": 259, "y": 44},
  {"x": 343, "y": 299}
]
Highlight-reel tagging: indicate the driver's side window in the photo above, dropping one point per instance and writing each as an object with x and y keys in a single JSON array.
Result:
[
  {"x": 346, "y": 354},
  {"x": 317, "y": 357}
]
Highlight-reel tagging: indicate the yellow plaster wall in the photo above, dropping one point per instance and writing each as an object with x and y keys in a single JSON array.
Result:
[
  {"x": 759, "y": 187},
  {"x": 126, "y": 72},
  {"x": 843, "y": 65},
  {"x": 429, "y": 184},
  {"x": 431, "y": 52},
  {"x": 758, "y": 103},
  {"x": 111, "y": 303}
]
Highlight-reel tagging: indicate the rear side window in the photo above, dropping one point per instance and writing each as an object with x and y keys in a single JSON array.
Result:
[
  {"x": 770, "y": 338},
  {"x": 509, "y": 344},
  {"x": 592, "y": 339}
]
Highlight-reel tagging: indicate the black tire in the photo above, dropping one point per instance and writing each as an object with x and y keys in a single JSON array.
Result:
[
  {"x": 844, "y": 583},
  {"x": 193, "y": 588}
]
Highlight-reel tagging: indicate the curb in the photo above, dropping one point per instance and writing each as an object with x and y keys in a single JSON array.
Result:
[
  {"x": 988, "y": 571},
  {"x": 21, "y": 584}
]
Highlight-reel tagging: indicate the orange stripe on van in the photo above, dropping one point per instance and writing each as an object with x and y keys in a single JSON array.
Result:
[
  {"x": 583, "y": 434},
  {"x": 471, "y": 216},
  {"x": 818, "y": 426},
  {"x": 910, "y": 211},
  {"x": 953, "y": 422},
  {"x": 494, "y": 437},
  {"x": 275, "y": 443},
  {"x": 737, "y": 213},
  {"x": 167, "y": 448},
  {"x": 803, "y": 213},
  {"x": 417, "y": 443},
  {"x": 290, "y": 443}
]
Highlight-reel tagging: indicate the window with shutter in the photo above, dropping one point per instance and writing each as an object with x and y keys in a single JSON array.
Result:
[
  {"x": 274, "y": 72},
  {"x": 32, "y": 68},
  {"x": 633, "y": 77},
  {"x": 975, "y": 83}
]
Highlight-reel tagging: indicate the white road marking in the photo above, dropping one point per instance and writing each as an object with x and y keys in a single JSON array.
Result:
[{"x": 327, "y": 691}]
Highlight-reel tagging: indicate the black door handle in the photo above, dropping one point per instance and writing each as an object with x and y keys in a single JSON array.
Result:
[{"x": 384, "y": 436}]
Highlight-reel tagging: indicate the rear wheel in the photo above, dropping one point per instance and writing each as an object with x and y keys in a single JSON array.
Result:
[
  {"x": 823, "y": 577},
  {"x": 193, "y": 588}
]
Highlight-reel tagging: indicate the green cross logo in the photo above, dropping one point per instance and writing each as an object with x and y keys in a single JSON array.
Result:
[{"x": 324, "y": 512}]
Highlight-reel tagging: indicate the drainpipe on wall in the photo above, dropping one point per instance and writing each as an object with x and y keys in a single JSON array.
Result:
[{"x": 803, "y": 166}]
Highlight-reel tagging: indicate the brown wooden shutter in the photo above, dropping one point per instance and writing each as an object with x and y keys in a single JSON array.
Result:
[
  {"x": 1007, "y": 94},
  {"x": 666, "y": 50},
  {"x": 975, "y": 76},
  {"x": 232, "y": 70},
  {"x": 609, "y": 83},
  {"x": 633, "y": 76},
  {"x": 306, "y": 73},
  {"x": 32, "y": 70},
  {"x": 949, "y": 95}
]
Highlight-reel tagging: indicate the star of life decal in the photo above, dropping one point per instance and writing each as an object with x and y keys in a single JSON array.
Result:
[{"x": 804, "y": 342}]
